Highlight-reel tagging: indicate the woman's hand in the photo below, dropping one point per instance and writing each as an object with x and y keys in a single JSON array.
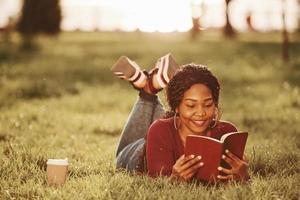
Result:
[
  {"x": 239, "y": 168},
  {"x": 185, "y": 167}
]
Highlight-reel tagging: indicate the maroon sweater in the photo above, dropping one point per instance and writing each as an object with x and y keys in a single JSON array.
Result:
[{"x": 164, "y": 145}]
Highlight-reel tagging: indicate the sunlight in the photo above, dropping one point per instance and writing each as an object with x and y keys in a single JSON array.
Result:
[
  {"x": 163, "y": 15},
  {"x": 156, "y": 15},
  {"x": 130, "y": 15}
]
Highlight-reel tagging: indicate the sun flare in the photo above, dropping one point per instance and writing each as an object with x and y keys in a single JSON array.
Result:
[{"x": 163, "y": 15}]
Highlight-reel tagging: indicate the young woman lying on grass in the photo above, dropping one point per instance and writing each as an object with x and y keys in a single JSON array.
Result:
[{"x": 153, "y": 140}]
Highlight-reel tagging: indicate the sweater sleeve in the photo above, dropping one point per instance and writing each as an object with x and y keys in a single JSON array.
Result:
[{"x": 160, "y": 154}]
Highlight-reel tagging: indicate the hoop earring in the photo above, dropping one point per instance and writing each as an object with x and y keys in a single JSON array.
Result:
[
  {"x": 175, "y": 116},
  {"x": 216, "y": 119}
]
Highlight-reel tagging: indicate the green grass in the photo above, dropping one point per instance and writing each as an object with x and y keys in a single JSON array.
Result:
[{"x": 62, "y": 101}]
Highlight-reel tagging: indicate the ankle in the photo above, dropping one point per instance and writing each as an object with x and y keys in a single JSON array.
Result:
[
  {"x": 147, "y": 88},
  {"x": 140, "y": 84},
  {"x": 155, "y": 82}
]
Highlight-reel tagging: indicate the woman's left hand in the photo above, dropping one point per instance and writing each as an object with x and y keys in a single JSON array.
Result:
[{"x": 239, "y": 168}]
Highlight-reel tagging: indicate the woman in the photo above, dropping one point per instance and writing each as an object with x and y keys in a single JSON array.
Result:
[{"x": 193, "y": 96}]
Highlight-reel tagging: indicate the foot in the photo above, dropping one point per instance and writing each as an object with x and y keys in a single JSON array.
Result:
[
  {"x": 127, "y": 69},
  {"x": 163, "y": 71}
]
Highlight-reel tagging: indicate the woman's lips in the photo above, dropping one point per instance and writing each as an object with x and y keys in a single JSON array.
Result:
[{"x": 198, "y": 122}]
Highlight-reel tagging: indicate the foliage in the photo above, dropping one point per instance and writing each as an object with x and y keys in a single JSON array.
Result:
[
  {"x": 64, "y": 102},
  {"x": 40, "y": 16}
]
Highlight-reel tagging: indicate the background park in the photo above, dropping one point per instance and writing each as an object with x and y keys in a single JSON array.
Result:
[{"x": 59, "y": 99}]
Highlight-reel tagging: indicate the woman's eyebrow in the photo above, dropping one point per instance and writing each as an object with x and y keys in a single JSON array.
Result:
[
  {"x": 208, "y": 99},
  {"x": 191, "y": 99}
]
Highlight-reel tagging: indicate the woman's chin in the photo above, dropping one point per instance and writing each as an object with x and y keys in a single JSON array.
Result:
[{"x": 199, "y": 129}]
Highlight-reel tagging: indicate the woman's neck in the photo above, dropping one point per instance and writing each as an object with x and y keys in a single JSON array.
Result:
[{"x": 184, "y": 132}]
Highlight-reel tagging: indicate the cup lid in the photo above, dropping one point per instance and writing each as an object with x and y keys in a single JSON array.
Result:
[{"x": 57, "y": 162}]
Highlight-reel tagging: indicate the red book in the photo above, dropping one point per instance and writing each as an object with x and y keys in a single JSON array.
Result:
[{"x": 211, "y": 151}]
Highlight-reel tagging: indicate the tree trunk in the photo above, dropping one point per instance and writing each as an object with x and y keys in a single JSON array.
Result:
[
  {"x": 285, "y": 38},
  {"x": 197, "y": 12},
  {"x": 298, "y": 29},
  {"x": 228, "y": 29},
  {"x": 196, "y": 28}
]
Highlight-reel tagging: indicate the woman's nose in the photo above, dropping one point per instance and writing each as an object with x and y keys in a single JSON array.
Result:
[{"x": 200, "y": 113}]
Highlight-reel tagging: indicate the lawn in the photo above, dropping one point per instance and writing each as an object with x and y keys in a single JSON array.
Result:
[{"x": 62, "y": 101}]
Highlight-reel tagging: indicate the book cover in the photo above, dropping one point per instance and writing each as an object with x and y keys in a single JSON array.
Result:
[{"x": 211, "y": 151}]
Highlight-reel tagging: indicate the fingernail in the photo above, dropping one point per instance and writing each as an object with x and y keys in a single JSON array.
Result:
[
  {"x": 219, "y": 168},
  {"x": 199, "y": 157},
  {"x": 201, "y": 164},
  {"x": 218, "y": 176},
  {"x": 192, "y": 156},
  {"x": 223, "y": 156},
  {"x": 226, "y": 150}
]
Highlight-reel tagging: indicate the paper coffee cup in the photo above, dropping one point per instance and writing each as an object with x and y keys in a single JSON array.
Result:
[{"x": 57, "y": 170}]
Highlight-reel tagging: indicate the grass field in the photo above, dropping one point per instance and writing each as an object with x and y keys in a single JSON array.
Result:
[{"x": 62, "y": 101}]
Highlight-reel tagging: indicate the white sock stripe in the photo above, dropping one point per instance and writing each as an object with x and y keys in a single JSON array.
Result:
[
  {"x": 134, "y": 76},
  {"x": 159, "y": 71},
  {"x": 165, "y": 72},
  {"x": 160, "y": 82},
  {"x": 140, "y": 80}
]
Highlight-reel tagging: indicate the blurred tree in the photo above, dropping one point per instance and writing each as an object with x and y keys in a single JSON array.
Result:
[
  {"x": 249, "y": 22},
  {"x": 285, "y": 38},
  {"x": 7, "y": 30},
  {"x": 228, "y": 29},
  {"x": 197, "y": 12},
  {"x": 195, "y": 30},
  {"x": 39, "y": 16},
  {"x": 298, "y": 16}
]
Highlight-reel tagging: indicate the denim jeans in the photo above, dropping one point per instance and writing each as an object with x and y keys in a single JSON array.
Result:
[{"x": 132, "y": 141}]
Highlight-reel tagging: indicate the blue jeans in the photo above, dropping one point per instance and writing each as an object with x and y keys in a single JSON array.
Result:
[{"x": 132, "y": 141}]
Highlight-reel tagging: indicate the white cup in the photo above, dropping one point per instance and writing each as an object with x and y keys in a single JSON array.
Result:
[{"x": 57, "y": 170}]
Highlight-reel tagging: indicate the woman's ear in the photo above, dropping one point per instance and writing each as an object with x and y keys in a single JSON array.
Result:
[{"x": 176, "y": 110}]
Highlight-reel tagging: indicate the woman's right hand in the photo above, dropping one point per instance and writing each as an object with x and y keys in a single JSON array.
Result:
[{"x": 186, "y": 167}]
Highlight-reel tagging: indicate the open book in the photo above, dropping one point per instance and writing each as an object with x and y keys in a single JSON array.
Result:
[{"x": 211, "y": 151}]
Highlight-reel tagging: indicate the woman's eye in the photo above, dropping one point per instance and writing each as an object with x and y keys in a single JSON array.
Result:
[
  {"x": 208, "y": 105},
  {"x": 190, "y": 106}
]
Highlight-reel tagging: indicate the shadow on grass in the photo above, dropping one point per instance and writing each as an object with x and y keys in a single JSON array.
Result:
[
  {"x": 84, "y": 171},
  {"x": 100, "y": 131},
  {"x": 28, "y": 164},
  {"x": 292, "y": 74},
  {"x": 267, "y": 164},
  {"x": 53, "y": 85},
  {"x": 5, "y": 137}
]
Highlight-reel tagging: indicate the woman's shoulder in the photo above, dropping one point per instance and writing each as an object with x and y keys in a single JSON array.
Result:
[
  {"x": 161, "y": 126},
  {"x": 162, "y": 123}
]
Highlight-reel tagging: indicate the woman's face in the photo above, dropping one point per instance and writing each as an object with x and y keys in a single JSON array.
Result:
[{"x": 196, "y": 110}]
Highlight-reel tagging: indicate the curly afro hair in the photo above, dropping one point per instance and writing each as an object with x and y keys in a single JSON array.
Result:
[{"x": 186, "y": 77}]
